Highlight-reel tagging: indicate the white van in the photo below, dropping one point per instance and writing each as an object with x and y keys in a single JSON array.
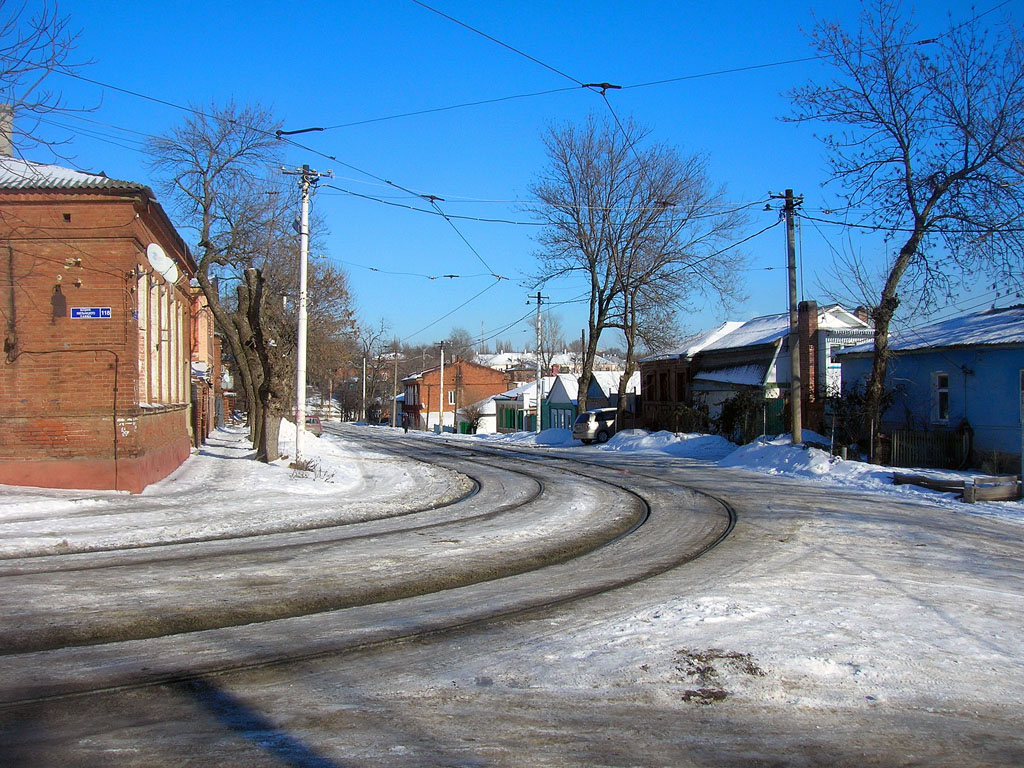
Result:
[{"x": 598, "y": 424}]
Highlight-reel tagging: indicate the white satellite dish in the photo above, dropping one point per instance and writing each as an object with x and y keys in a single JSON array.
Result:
[{"x": 162, "y": 263}]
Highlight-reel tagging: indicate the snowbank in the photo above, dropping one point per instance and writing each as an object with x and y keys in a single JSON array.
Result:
[{"x": 771, "y": 456}]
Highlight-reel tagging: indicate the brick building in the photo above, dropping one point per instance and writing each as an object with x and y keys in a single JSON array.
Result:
[
  {"x": 95, "y": 379},
  {"x": 464, "y": 383}
]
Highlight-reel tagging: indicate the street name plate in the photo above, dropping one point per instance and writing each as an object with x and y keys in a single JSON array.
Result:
[{"x": 90, "y": 313}]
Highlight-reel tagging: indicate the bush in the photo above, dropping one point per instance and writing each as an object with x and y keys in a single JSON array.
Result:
[
  {"x": 846, "y": 415},
  {"x": 742, "y": 416}
]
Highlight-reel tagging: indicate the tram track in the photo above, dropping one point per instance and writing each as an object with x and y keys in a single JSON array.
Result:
[{"x": 650, "y": 544}]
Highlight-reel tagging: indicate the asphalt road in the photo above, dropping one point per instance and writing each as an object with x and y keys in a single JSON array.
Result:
[{"x": 448, "y": 636}]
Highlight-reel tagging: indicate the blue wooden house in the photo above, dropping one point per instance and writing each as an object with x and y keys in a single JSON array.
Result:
[{"x": 964, "y": 376}]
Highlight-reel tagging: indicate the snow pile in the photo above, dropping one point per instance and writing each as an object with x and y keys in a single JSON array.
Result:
[
  {"x": 779, "y": 456},
  {"x": 681, "y": 445},
  {"x": 767, "y": 455}
]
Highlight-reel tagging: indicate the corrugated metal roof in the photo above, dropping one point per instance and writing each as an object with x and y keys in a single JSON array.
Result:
[
  {"x": 1004, "y": 325},
  {"x": 16, "y": 173}
]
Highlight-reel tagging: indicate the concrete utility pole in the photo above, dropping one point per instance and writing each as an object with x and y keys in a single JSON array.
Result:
[
  {"x": 536, "y": 426},
  {"x": 363, "y": 406},
  {"x": 795, "y": 389},
  {"x": 307, "y": 180},
  {"x": 440, "y": 394},
  {"x": 394, "y": 393}
]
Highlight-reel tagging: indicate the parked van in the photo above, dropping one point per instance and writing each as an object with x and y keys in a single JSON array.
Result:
[{"x": 598, "y": 425}]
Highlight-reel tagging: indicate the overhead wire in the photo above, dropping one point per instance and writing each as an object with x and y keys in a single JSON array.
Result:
[
  {"x": 498, "y": 42},
  {"x": 448, "y": 217},
  {"x": 481, "y": 219},
  {"x": 453, "y": 311}
]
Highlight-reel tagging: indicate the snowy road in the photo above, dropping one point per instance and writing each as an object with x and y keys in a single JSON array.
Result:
[
  {"x": 831, "y": 627},
  {"x": 232, "y": 599}
]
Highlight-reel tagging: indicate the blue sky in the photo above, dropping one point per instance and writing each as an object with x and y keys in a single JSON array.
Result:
[{"x": 337, "y": 63}]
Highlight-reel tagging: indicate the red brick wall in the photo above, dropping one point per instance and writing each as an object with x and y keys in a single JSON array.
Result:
[
  {"x": 69, "y": 401},
  {"x": 470, "y": 381}
]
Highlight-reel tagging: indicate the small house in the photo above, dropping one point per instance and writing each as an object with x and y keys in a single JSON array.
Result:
[
  {"x": 958, "y": 381},
  {"x": 752, "y": 356}
]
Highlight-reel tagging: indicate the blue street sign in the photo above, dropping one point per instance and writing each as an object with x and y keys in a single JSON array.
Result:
[{"x": 90, "y": 313}]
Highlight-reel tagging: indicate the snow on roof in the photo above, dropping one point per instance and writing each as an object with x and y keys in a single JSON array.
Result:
[
  {"x": 16, "y": 173},
  {"x": 571, "y": 383},
  {"x": 750, "y": 375},
  {"x": 691, "y": 345},
  {"x": 503, "y": 360},
  {"x": 608, "y": 381},
  {"x": 761, "y": 330},
  {"x": 766, "y": 329},
  {"x": 991, "y": 326}
]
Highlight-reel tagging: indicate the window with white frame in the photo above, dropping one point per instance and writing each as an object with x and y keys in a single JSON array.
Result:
[
  {"x": 451, "y": 397},
  {"x": 940, "y": 398}
]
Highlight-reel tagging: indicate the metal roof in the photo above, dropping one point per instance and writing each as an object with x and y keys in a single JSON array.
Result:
[{"x": 19, "y": 174}]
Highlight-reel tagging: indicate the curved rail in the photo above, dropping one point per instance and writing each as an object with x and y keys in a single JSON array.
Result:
[{"x": 682, "y": 524}]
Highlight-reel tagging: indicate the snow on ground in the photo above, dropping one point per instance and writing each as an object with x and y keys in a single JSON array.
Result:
[
  {"x": 770, "y": 456},
  {"x": 219, "y": 491},
  {"x": 802, "y": 609},
  {"x": 211, "y": 494}
]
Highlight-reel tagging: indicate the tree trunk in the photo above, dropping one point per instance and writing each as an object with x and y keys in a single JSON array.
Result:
[
  {"x": 882, "y": 316},
  {"x": 629, "y": 331},
  {"x": 267, "y": 448},
  {"x": 231, "y": 332}
]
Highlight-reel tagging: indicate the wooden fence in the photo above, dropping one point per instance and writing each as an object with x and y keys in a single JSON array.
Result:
[{"x": 929, "y": 448}]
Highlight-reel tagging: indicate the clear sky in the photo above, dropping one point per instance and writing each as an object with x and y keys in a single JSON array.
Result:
[{"x": 347, "y": 65}]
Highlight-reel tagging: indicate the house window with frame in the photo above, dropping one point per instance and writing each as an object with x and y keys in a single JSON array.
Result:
[
  {"x": 940, "y": 398},
  {"x": 451, "y": 397}
]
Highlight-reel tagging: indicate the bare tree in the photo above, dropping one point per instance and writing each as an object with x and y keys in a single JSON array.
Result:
[
  {"x": 213, "y": 167},
  {"x": 36, "y": 41},
  {"x": 552, "y": 340},
  {"x": 460, "y": 343},
  {"x": 641, "y": 225},
  {"x": 929, "y": 141}
]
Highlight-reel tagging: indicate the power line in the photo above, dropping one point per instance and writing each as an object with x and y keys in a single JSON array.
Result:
[
  {"x": 456, "y": 309},
  {"x": 449, "y": 108},
  {"x": 936, "y": 230},
  {"x": 433, "y": 212},
  {"x": 409, "y": 274},
  {"x": 498, "y": 42},
  {"x": 433, "y": 202}
]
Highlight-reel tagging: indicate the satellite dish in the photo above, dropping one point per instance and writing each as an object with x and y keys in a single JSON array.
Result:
[{"x": 160, "y": 261}]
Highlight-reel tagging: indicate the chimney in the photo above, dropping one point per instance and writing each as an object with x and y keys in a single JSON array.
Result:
[
  {"x": 6, "y": 130},
  {"x": 807, "y": 328},
  {"x": 862, "y": 313}
]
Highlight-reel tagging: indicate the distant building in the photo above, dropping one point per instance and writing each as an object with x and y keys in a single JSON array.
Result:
[
  {"x": 95, "y": 384},
  {"x": 522, "y": 366},
  {"x": 426, "y": 406},
  {"x": 716, "y": 365}
]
